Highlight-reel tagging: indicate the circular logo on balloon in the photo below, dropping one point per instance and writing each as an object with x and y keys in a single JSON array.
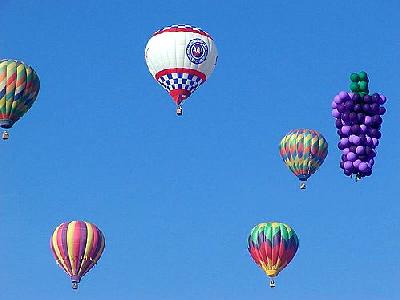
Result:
[{"x": 197, "y": 51}]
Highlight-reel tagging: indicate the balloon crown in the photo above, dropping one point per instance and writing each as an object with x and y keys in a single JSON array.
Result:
[{"x": 359, "y": 83}]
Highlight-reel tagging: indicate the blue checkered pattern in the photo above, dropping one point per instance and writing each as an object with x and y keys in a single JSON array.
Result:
[{"x": 173, "y": 81}]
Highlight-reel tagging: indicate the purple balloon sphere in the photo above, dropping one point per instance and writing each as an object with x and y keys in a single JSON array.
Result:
[
  {"x": 371, "y": 162},
  {"x": 341, "y": 135},
  {"x": 355, "y": 129},
  {"x": 341, "y": 108},
  {"x": 360, "y": 150},
  {"x": 368, "y": 120},
  {"x": 374, "y": 108},
  {"x": 356, "y": 98},
  {"x": 367, "y": 99},
  {"x": 375, "y": 142},
  {"x": 344, "y": 142},
  {"x": 357, "y": 108},
  {"x": 348, "y": 165},
  {"x": 346, "y": 130},
  {"x": 360, "y": 118},
  {"x": 367, "y": 150},
  {"x": 363, "y": 166},
  {"x": 356, "y": 163},
  {"x": 349, "y": 105},
  {"x": 374, "y": 133},
  {"x": 353, "y": 117},
  {"x": 351, "y": 156},
  {"x": 377, "y": 120},
  {"x": 335, "y": 113},
  {"x": 375, "y": 98},
  {"x": 382, "y": 99},
  {"x": 343, "y": 95},
  {"x": 346, "y": 117},
  {"x": 348, "y": 173},
  {"x": 356, "y": 140},
  {"x": 363, "y": 128}
]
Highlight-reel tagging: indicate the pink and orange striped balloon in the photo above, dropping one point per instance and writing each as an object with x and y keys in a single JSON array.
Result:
[{"x": 77, "y": 246}]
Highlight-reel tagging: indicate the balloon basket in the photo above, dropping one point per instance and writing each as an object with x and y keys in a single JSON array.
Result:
[
  {"x": 179, "y": 110},
  {"x": 271, "y": 283},
  {"x": 302, "y": 185},
  {"x": 74, "y": 285},
  {"x": 5, "y": 135}
]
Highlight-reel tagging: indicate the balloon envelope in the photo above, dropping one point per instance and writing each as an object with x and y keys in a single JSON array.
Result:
[
  {"x": 19, "y": 87},
  {"x": 181, "y": 58},
  {"x": 303, "y": 151},
  {"x": 77, "y": 246},
  {"x": 272, "y": 246}
]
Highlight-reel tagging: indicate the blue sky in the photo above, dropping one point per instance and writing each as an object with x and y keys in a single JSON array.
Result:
[{"x": 177, "y": 197}]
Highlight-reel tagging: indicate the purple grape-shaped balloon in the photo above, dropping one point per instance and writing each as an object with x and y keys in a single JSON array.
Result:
[{"x": 358, "y": 120}]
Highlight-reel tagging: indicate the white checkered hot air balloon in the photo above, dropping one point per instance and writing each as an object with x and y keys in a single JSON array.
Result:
[{"x": 181, "y": 58}]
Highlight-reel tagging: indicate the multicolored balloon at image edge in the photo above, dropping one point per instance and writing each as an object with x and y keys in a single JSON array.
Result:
[
  {"x": 19, "y": 88},
  {"x": 272, "y": 246},
  {"x": 358, "y": 121},
  {"x": 303, "y": 151},
  {"x": 77, "y": 246}
]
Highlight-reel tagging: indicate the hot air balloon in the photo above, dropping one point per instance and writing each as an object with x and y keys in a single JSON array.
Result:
[
  {"x": 272, "y": 246},
  {"x": 181, "y": 58},
  {"x": 303, "y": 151},
  {"x": 19, "y": 87},
  {"x": 77, "y": 246},
  {"x": 359, "y": 118}
]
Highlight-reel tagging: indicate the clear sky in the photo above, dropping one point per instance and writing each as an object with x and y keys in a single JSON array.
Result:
[{"x": 177, "y": 197}]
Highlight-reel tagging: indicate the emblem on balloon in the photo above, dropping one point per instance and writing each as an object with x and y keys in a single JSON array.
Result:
[{"x": 197, "y": 51}]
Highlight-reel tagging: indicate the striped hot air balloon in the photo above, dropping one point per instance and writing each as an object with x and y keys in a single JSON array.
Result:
[
  {"x": 272, "y": 246},
  {"x": 303, "y": 151},
  {"x": 19, "y": 88},
  {"x": 77, "y": 246},
  {"x": 181, "y": 58}
]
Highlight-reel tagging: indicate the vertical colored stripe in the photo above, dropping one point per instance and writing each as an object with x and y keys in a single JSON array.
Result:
[
  {"x": 70, "y": 243},
  {"x": 57, "y": 251}
]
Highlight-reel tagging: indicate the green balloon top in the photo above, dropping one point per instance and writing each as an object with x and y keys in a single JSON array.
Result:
[
  {"x": 359, "y": 83},
  {"x": 354, "y": 87},
  {"x": 354, "y": 77},
  {"x": 363, "y": 76}
]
